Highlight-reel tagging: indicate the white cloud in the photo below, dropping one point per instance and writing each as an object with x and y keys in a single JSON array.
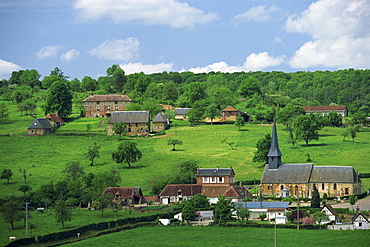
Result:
[
  {"x": 260, "y": 61},
  {"x": 117, "y": 49},
  {"x": 340, "y": 34},
  {"x": 131, "y": 68},
  {"x": 217, "y": 67},
  {"x": 6, "y": 68},
  {"x": 152, "y": 12},
  {"x": 256, "y": 13},
  {"x": 70, "y": 55},
  {"x": 48, "y": 51}
]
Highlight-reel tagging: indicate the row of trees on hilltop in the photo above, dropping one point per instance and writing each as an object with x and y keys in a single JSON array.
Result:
[{"x": 255, "y": 92}]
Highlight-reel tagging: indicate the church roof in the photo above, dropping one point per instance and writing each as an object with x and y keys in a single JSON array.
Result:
[
  {"x": 333, "y": 174},
  {"x": 274, "y": 150},
  {"x": 288, "y": 173}
]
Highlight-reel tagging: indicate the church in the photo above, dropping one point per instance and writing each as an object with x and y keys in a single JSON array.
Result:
[{"x": 299, "y": 179}]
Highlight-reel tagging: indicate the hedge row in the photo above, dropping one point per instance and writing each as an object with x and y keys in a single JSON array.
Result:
[
  {"x": 311, "y": 227},
  {"x": 91, "y": 227}
]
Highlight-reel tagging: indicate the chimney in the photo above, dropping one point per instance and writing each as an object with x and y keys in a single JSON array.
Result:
[
  {"x": 91, "y": 93},
  {"x": 123, "y": 93}
]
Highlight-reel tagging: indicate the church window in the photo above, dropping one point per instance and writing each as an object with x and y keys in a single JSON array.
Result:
[
  {"x": 281, "y": 187},
  {"x": 335, "y": 186},
  {"x": 296, "y": 190},
  {"x": 269, "y": 187},
  {"x": 322, "y": 186}
]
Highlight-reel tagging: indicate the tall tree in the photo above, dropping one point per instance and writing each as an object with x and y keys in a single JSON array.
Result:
[
  {"x": 306, "y": 127},
  {"x": 6, "y": 174},
  {"x": 263, "y": 147},
  {"x": 73, "y": 170},
  {"x": 117, "y": 77},
  {"x": 11, "y": 212},
  {"x": 127, "y": 152},
  {"x": 120, "y": 129},
  {"x": 315, "y": 198},
  {"x": 103, "y": 180},
  {"x": 249, "y": 87},
  {"x": 212, "y": 112},
  {"x": 88, "y": 84},
  {"x": 239, "y": 121},
  {"x": 62, "y": 212},
  {"x": 31, "y": 78},
  {"x": 58, "y": 72},
  {"x": 92, "y": 153},
  {"x": 188, "y": 211},
  {"x": 59, "y": 99},
  {"x": 223, "y": 209},
  {"x": 103, "y": 201}
]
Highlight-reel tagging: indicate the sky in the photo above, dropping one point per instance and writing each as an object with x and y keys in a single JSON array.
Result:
[{"x": 85, "y": 37}]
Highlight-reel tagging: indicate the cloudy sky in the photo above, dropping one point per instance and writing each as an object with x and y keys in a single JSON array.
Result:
[{"x": 85, "y": 37}]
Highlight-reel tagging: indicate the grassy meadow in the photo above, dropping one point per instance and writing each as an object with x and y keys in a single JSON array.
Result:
[
  {"x": 223, "y": 236},
  {"x": 44, "y": 157}
]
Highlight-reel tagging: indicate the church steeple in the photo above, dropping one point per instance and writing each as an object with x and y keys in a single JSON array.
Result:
[{"x": 274, "y": 153}]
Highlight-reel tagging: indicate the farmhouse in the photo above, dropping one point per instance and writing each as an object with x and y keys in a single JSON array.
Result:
[
  {"x": 137, "y": 122},
  {"x": 181, "y": 113},
  {"x": 160, "y": 122},
  {"x": 105, "y": 105},
  {"x": 54, "y": 119},
  {"x": 212, "y": 183},
  {"x": 125, "y": 195},
  {"x": 39, "y": 127},
  {"x": 331, "y": 213},
  {"x": 324, "y": 110},
  {"x": 299, "y": 179},
  {"x": 229, "y": 113}
]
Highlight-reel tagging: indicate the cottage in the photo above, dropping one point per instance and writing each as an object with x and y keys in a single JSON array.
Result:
[
  {"x": 212, "y": 183},
  {"x": 299, "y": 179},
  {"x": 360, "y": 221},
  {"x": 105, "y": 105},
  {"x": 160, "y": 122},
  {"x": 39, "y": 127},
  {"x": 125, "y": 195},
  {"x": 137, "y": 122},
  {"x": 54, "y": 119},
  {"x": 331, "y": 213},
  {"x": 324, "y": 110},
  {"x": 181, "y": 113},
  {"x": 229, "y": 113}
]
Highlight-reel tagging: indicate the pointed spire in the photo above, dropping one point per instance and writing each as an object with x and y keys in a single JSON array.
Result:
[{"x": 274, "y": 153}]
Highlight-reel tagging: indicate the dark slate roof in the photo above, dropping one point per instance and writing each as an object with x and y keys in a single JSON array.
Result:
[
  {"x": 334, "y": 174},
  {"x": 112, "y": 97},
  {"x": 129, "y": 117},
  {"x": 263, "y": 204},
  {"x": 40, "y": 123},
  {"x": 186, "y": 189},
  {"x": 160, "y": 118},
  {"x": 287, "y": 173},
  {"x": 330, "y": 208},
  {"x": 357, "y": 215},
  {"x": 274, "y": 149},
  {"x": 215, "y": 172},
  {"x": 181, "y": 111}
]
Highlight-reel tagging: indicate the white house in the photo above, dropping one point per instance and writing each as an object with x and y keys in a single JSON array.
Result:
[
  {"x": 331, "y": 213},
  {"x": 272, "y": 210},
  {"x": 360, "y": 222}
]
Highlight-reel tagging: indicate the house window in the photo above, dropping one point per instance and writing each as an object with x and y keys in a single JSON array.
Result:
[
  {"x": 322, "y": 186},
  {"x": 116, "y": 107},
  {"x": 232, "y": 180},
  {"x": 116, "y": 102},
  {"x": 269, "y": 187},
  {"x": 108, "y": 107},
  {"x": 346, "y": 191},
  {"x": 205, "y": 180},
  {"x": 335, "y": 186},
  {"x": 221, "y": 179},
  {"x": 213, "y": 180},
  {"x": 359, "y": 224},
  {"x": 97, "y": 102}
]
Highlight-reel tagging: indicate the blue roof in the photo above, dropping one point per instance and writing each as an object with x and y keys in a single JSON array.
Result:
[{"x": 263, "y": 204}]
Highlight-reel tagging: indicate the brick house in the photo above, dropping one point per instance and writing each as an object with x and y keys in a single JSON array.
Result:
[
  {"x": 299, "y": 179},
  {"x": 211, "y": 182},
  {"x": 125, "y": 195},
  {"x": 105, "y": 105},
  {"x": 138, "y": 122}
]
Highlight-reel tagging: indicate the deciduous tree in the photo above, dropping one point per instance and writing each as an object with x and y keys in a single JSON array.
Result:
[
  {"x": 306, "y": 127},
  {"x": 239, "y": 121},
  {"x": 120, "y": 129},
  {"x": 263, "y": 147},
  {"x": 223, "y": 209},
  {"x": 11, "y": 212},
  {"x": 62, "y": 212},
  {"x": 188, "y": 211},
  {"x": 174, "y": 142},
  {"x": 127, "y": 152},
  {"x": 59, "y": 99},
  {"x": 4, "y": 113},
  {"x": 92, "y": 152},
  {"x": 6, "y": 174}
]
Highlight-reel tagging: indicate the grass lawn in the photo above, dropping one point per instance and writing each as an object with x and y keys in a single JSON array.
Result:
[{"x": 162, "y": 236}]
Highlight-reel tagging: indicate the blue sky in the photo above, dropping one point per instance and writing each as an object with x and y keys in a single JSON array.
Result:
[{"x": 85, "y": 37}]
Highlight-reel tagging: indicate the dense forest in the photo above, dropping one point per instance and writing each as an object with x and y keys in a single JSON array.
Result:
[{"x": 257, "y": 93}]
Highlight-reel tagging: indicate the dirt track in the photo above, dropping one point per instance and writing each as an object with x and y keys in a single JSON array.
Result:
[{"x": 363, "y": 204}]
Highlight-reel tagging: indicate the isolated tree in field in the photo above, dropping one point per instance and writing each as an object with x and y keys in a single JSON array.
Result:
[
  {"x": 59, "y": 99},
  {"x": 174, "y": 142},
  {"x": 62, "y": 212},
  {"x": 120, "y": 129},
  {"x": 263, "y": 147},
  {"x": 6, "y": 174},
  {"x": 230, "y": 143},
  {"x": 73, "y": 170},
  {"x": 320, "y": 217},
  {"x": 306, "y": 127},
  {"x": 345, "y": 133},
  {"x": 239, "y": 121},
  {"x": 127, "y": 152},
  {"x": 25, "y": 189},
  {"x": 92, "y": 152},
  {"x": 352, "y": 132},
  {"x": 188, "y": 211},
  {"x": 287, "y": 114},
  {"x": 4, "y": 113},
  {"x": 315, "y": 199},
  {"x": 24, "y": 174},
  {"x": 223, "y": 209},
  {"x": 11, "y": 212}
]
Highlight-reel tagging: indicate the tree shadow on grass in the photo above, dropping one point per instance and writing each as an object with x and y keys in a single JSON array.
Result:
[
  {"x": 315, "y": 145},
  {"x": 132, "y": 167},
  {"x": 177, "y": 150},
  {"x": 243, "y": 130}
]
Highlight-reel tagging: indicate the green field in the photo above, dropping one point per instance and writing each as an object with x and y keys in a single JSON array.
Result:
[
  {"x": 223, "y": 236},
  {"x": 44, "y": 157}
]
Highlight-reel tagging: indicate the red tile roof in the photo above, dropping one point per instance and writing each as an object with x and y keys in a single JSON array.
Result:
[
  {"x": 112, "y": 97},
  {"x": 229, "y": 108},
  {"x": 124, "y": 192},
  {"x": 54, "y": 117},
  {"x": 325, "y": 108}
]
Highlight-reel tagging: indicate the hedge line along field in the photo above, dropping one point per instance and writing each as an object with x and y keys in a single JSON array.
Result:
[{"x": 162, "y": 236}]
